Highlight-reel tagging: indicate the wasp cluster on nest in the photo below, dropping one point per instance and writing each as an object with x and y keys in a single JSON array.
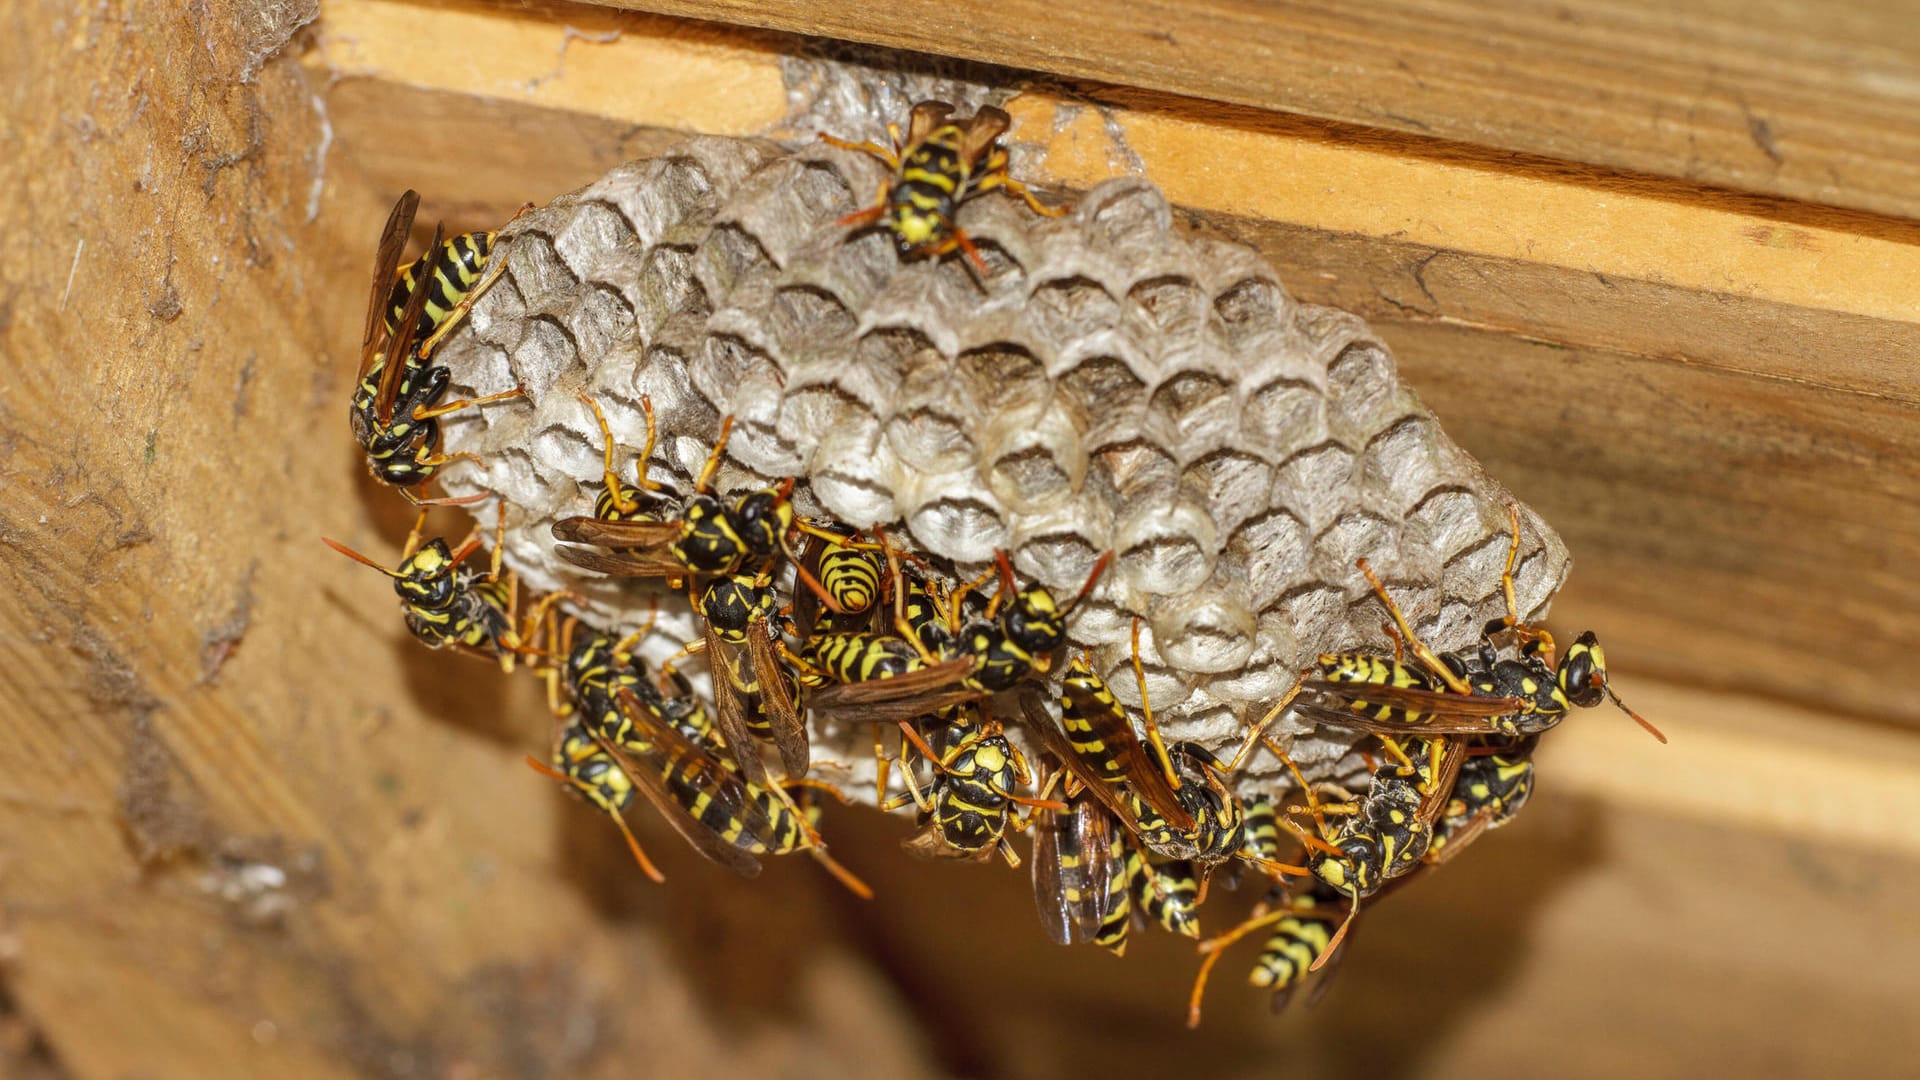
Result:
[{"x": 1114, "y": 533}]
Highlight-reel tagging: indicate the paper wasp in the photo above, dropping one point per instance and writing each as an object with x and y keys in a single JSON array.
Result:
[
  {"x": 581, "y": 763},
  {"x": 1475, "y": 693},
  {"x": 755, "y": 695},
  {"x": 1303, "y": 931},
  {"x": 1493, "y": 785},
  {"x": 450, "y": 607},
  {"x": 1173, "y": 798},
  {"x": 716, "y": 809},
  {"x": 939, "y": 165},
  {"x": 396, "y": 403},
  {"x": 704, "y": 535},
  {"x": 977, "y": 770}
]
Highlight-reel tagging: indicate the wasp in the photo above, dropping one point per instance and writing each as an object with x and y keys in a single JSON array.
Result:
[
  {"x": 939, "y": 165},
  {"x": 591, "y": 773},
  {"x": 1172, "y": 797},
  {"x": 704, "y": 536},
  {"x": 1494, "y": 783},
  {"x": 1303, "y": 929},
  {"x": 1476, "y": 693},
  {"x": 448, "y": 273},
  {"x": 1166, "y": 892},
  {"x": 969, "y": 811},
  {"x": 450, "y": 607},
  {"x": 396, "y": 403},
  {"x": 756, "y": 696},
  {"x": 714, "y": 807},
  {"x": 849, "y": 572}
]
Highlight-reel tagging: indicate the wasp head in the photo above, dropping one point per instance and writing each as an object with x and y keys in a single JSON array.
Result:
[
  {"x": 426, "y": 579},
  {"x": 1583, "y": 671}
]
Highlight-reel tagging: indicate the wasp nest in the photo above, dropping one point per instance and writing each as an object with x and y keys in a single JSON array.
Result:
[{"x": 1112, "y": 382}]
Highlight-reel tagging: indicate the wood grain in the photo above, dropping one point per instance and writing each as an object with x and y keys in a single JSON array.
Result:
[
  {"x": 247, "y": 825},
  {"x": 1810, "y": 101}
]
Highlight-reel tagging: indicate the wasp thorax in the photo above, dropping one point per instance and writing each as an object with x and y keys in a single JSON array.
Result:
[{"x": 1583, "y": 671}]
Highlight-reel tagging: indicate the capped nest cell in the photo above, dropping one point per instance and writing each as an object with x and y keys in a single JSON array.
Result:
[{"x": 1112, "y": 382}]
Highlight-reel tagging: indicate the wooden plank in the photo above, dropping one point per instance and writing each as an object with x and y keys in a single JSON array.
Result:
[
  {"x": 1809, "y": 101},
  {"x": 1572, "y": 359},
  {"x": 1565, "y": 254}
]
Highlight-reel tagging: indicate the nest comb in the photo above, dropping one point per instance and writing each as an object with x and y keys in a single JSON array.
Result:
[{"x": 1112, "y": 382}]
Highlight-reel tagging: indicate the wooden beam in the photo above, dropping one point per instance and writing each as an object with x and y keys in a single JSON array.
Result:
[
  {"x": 1690, "y": 384},
  {"x": 1805, "y": 100}
]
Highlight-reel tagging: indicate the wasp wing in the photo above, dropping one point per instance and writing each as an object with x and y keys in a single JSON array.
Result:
[
  {"x": 1138, "y": 769},
  {"x": 1430, "y": 712},
  {"x": 723, "y": 663},
  {"x": 912, "y": 690},
  {"x": 1042, "y": 725},
  {"x": 386, "y": 265},
  {"x": 977, "y": 137},
  {"x": 776, "y": 699},
  {"x": 670, "y": 751},
  {"x": 1073, "y": 870},
  {"x": 400, "y": 345},
  {"x": 925, "y": 117}
]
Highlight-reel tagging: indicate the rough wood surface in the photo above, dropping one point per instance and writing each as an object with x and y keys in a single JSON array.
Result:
[
  {"x": 247, "y": 826},
  {"x": 1811, "y": 101}
]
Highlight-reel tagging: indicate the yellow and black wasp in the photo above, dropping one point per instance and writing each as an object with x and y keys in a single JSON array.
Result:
[
  {"x": 590, "y": 772},
  {"x": 1172, "y": 797},
  {"x": 1494, "y": 783},
  {"x": 925, "y": 665},
  {"x": 1466, "y": 694},
  {"x": 450, "y": 607},
  {"x": 647, "y": 535},
  {"x": 396, "y": 404},
  {"x": 939, "y": 165},
  {"x": 976, "y": 773},
  {"x": 714, "y": 807},
  {"x": 848, "y": 571},
  {"x": 1090, "y": 881},
  {"x": 1303, "y": 927},
  {"x": 756, "y": 696}
]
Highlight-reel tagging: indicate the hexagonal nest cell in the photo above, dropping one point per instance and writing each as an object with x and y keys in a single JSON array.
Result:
[{"x": 1112, "y": 382}]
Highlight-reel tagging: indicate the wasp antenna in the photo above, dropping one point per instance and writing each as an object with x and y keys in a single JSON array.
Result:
[
  {"x": 467, "y": 548},
  {"x": 357, "y": 557},
  {"x": 1005, "y": 566},
  {"x": 1637, "y": 718},
  {"x": 1093, "y": 578}
]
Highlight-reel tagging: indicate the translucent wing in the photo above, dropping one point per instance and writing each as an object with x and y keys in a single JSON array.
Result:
[
  {"x": 673, "y": 752},
  {"x": 1139, "y": 769},
  {"x": 400, "y": 345},
  {"x": 925, "y": 117},
  {"x": 386, "y": 265},
  {"x": 987, "y": 125},
  {"x": 776, "y": 699}
]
